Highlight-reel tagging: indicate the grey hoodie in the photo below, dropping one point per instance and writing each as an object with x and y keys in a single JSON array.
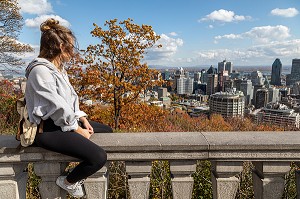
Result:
[{"x": 49, "y": 94}]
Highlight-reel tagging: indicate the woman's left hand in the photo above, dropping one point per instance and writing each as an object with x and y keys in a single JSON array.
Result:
[{"x": 86, "y": 124}]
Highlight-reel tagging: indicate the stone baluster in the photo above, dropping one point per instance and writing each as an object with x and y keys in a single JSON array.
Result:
[
  {"x": 268, "y": 179},
  {"x": 224, "y": 181},
  {"x": 297, "y": 174},
  {"x": 49, "y": 171},
  {"x": 182, "y": 181},
  {"x": 96, "y": 185},
  {"x": 138, "y": 179},
  {"x": 13, "y": 179}
]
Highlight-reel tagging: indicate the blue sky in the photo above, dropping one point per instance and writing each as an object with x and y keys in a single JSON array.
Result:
[{"x": 193, "y": 32}]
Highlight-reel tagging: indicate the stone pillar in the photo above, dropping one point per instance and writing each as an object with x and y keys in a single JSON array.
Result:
[
  {"x": 224, "y": 181},
  {"x": 138, "y": 179},
  {"x": 49, "y": 171},
  {"x": 182, "y": 181},
  {"x": 96, "y": 185},
  {"x": 13, "y": 179},
  {"x": 268, "y": 179}
]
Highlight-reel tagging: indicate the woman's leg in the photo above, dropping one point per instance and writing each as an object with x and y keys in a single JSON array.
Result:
[{"x": 73, "y": 144}]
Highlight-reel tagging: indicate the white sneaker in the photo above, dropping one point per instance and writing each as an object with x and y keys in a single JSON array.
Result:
[{"x": 74, "y": 190}]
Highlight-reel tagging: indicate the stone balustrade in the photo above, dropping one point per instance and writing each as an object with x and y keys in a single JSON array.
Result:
[{"x": 270, "y": 152}]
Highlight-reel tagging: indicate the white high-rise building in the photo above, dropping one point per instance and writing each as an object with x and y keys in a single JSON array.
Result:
[
  {"x": 247, "y": 88},
  {"x": 185, "y": 86}
]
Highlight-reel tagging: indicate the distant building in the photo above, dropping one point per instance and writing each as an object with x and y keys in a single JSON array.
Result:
[
  {"x": 166, "y": 101},
  {"x": 276, "y": 72},
  {"x": 166, "y": 74},
  {"x": 296, "y": 88},
  {"x": 237, "y": 84},
  {"x": 224, "y": 65},
  {"x": 197, "y": 76},
  {"x": 247, "y": 88},
  {"x": 178, "y": 74},
  {"x": 203, "y": 77},
  {"x": 235, "y": 75},
  {"x": 228, "y": 85},
  {"x": 222, "y": 77},
  {"x": 157, "y": 103},
  {"x": 274, "y": 95},
  {"x": 278, "y": 114},
  {"x": 202, "y": 88},
  {"x": 257, "y": 78},
  {"x": 229, "y": 67},
  {"x": 211, "y": 70},
  {"x": 221, "y": 66},
  {"x": 284, "y": 92},
  {"x": 212, "y": 84},
  {"x": 228, "y": 104},
  {"x": 261, "y": 98},
  {"x": 295, "y": 73},
  {"x": 162, "y": 92},
  {"x": 185, "y": 86}
]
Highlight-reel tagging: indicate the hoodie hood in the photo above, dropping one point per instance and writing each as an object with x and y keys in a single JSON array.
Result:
[{"x": 39, "y": 61}]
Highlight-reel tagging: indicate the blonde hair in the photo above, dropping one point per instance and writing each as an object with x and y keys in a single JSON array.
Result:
[{"x": 53, "y": 37}]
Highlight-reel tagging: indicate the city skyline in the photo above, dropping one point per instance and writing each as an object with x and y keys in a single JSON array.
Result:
[{"x": 192, "y": 33}]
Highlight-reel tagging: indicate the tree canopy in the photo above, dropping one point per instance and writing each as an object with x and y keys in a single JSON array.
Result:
[
  {"x": 114, "y": 71},
  {"x": 11, "y": 23}
]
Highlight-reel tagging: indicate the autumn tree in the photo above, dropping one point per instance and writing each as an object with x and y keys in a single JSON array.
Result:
[
  {"x": 114, "y": 71},
  {"x": 11, "y": 23}
]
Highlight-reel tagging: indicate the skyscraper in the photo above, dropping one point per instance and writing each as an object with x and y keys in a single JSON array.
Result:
[
  {"x": 257, "y": 78},
  {"x": 222, "y": 77},
  {"x": 247, "y": 88},
  {"x": 229, "y": 67},
  {"x": 212, "y": 84},
  {"x": 203, "y": 77},
  {"x": 197, "y": 76},
  {"x": 295, "y": 73},
  {"x": 261, "y": 98},
  {"x": 185, "y": 86},
  {"x": 225, "y": 65},
  {"x": 221, "y": 66},
  {"x": 178, "y": 74},
  {"x": 276, "y": 72}
]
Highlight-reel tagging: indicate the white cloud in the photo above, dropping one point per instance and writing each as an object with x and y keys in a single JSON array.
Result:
[
  {"x": 262, "y": 34},
  {"x": 224, "y": 16},
  {"x": 36, "y": 22},
  {"x": 290, "y": 48},
  {"x": 173, "y": 34},
  {"x": 229, "y": 36},
  {"x": 254, "y": 55},
  {"x": 38, "y": 7},
  {"x": 289, "y": 12},
  {"x": 211, "y": 26},
  {"x": 169, "y": 48}
]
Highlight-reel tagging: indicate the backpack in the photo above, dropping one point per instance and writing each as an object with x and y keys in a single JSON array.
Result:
[{"x": 26, "y": 130}]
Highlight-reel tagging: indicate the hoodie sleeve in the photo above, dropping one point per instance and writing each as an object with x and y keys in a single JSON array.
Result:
[{"x": 46, "y": 103}]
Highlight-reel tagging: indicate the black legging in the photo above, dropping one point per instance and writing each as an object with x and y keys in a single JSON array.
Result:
[{"x": 75, "y": 145}]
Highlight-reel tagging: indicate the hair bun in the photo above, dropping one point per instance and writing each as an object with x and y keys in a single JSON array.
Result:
[{"x": 48, "y": 24}]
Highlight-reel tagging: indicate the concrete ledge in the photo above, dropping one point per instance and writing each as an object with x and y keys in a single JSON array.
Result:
[{"x": 239, "y": 146}]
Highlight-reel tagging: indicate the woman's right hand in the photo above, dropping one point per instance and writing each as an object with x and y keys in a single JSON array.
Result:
[{"x": 84, "y": 132}]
